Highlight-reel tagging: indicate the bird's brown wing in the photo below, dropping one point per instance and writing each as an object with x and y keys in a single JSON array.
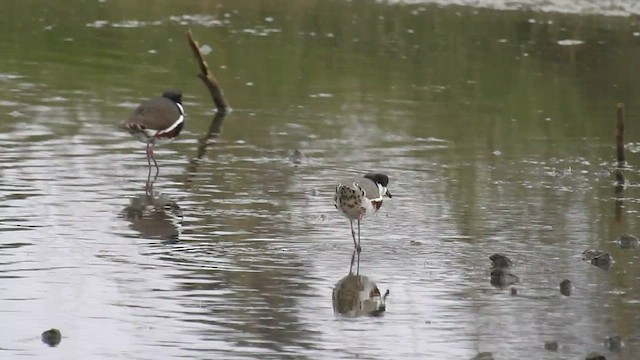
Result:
[{"x": 155, "y": 114}]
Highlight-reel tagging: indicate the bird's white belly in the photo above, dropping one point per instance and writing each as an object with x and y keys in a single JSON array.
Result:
[
  {"x": 148, "y": 135},
  {"x": 351, "y": 203}
]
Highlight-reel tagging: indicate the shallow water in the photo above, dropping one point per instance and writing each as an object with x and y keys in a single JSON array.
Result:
[{"x": 495, "y": 127}]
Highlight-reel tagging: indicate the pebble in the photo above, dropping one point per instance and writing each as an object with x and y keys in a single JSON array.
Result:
[
  {"x": 566, "y": 287},
  {"x": 51, "y": 337}
]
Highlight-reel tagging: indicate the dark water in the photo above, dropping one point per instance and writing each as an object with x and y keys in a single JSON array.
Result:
[{"x": 495, "y": 127}]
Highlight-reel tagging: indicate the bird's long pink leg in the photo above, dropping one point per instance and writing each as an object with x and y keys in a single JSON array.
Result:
[
  {"x": 150, "y": 157},
  {"x": 358, "y": 247},
  {"x": 353, "y": 234}
]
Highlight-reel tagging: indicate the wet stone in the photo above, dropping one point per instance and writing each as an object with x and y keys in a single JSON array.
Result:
[
  {"x": 51, "y": 337},
  {"x": 614, "y": 343},
  {"x": 500, "y": 261},
  {"x": 483, "y": 356},
  {"x": 598, "y": 258},
  {"x": 296, "y": 157},
  {"x": 589, "y": 255},
  {"x": 595, "y": 356},
  {"x": 514, "y": 291},
  {"x": 501, "y": 278},
  {"x": 627, "y": 241},
  {"x": 551, "y": 345},
  {"x": 566, "y": 287}
]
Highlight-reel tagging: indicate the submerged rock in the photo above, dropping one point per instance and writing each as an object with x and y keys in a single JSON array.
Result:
[
  {"x": 551, "y": 345},
  {"x": 500, "y": 261},
  {"x": 51, "y": 337},
  {"x": 589, "y": 254},
  {"x": 627, "y": 241},
  {"x": 566, "y": 287},
  {"x": 614, "y": 343},
  {"x": 595, "y": 356},
  {"x": 483, "y": 356},
  {"x": 502, "y": 277},
  {"x": 598, "y": 258},
  {"x": 296, "y": 157}
]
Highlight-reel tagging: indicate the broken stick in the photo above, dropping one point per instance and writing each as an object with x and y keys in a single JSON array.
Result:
[
  {"x": 620, "y": 135},
  {"x": 207, "y": 76},
  {"x": 620, "y": 145}
]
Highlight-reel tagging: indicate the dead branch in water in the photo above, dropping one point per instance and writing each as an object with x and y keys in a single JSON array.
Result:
[
  {"x": 207, "y": 76},
  {"x": 215, "y": 128},
  {"x": 619, "y": 171},
  {"x": 618, "y": 192},
  {"x": 620, "y": 135},
  {"x": 620, "y": 144}
]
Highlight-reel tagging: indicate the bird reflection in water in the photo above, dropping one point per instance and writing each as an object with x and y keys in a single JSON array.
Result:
[
  {"x": 154, "y": 215},
  {"x": 357, "y": 295}
]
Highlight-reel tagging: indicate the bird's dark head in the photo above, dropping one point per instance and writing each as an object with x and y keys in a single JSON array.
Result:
[
  {"x": 378, "y": 178},
  {"x": 381, "y": 179},
  {"x": 173, "y": 95}
]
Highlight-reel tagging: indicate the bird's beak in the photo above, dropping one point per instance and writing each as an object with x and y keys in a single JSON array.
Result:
[{"x": 388, "y": 194}]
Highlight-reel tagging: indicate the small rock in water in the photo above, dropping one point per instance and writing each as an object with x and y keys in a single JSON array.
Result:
[
  {"x": 595, "y": 356},
  {"x": 589, "y": 255},
  {"x": 500, "y": 261},
  {"x": 51, "y": 337},
  {"x": 296, "y": 157},
  {"x": 483, "y": 356},
  {"x": 514, "y": 291},
  {"x": 598, "y": 258},
  {"x": 501, "y": 278},
  {"x": 551, "y": 345},
  {"x": 614, "y": 343},
  {"x": 627, "y": 241},
  {"x": 566, "y": 287}
]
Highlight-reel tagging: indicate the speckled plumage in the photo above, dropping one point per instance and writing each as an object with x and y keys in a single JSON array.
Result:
[
  {"x": 351, "y": 201},
  {"x": 357, "y": 198}
]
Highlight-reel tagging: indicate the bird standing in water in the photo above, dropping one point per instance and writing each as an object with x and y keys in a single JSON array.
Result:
[
  {"x": 358, "y": 198},
  {"x": 157, "y": 121}
]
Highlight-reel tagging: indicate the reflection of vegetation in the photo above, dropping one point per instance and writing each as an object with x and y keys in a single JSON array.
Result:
[{"x": 364, "y": 47}]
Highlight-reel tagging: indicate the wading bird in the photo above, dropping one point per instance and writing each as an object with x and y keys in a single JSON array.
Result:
[
  {"x": 157, "y": 121},
  {"x": 358, "y": 198}
]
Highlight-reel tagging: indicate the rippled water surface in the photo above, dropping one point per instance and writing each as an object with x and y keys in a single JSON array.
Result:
[{"x": 495, "y": 128}]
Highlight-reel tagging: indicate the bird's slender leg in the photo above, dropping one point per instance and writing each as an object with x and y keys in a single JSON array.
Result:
[
  {"x": 149, "y": 186},
  {"x": 358, "y": 265},
  {"x": 356, "y": 245},
  {"x": 151, "y": 156},
  {"x": 149, "y": 150},
  {"x": 353, "y": 258}
]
